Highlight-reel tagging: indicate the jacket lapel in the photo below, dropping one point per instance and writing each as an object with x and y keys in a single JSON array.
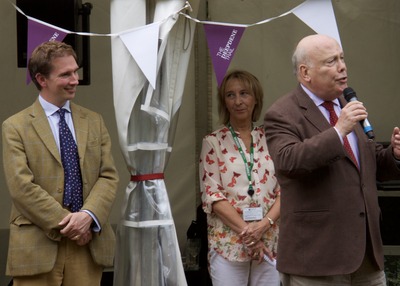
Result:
[
  {"x": 43, "y": 130},
  {"x": 81, "y": 126},
  {"x": 311, "y": 111}
]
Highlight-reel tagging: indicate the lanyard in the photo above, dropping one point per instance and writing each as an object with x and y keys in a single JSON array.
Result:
[{"x": 248, "y": 166}]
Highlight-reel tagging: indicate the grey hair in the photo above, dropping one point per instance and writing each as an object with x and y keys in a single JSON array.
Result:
[{"x": 300, "y": 56}]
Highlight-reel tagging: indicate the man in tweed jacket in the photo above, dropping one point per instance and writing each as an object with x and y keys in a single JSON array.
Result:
[{"x": 49, "y": 244}]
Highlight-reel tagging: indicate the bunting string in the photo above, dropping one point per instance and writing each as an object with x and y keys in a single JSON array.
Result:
[
  {"x": 186, "y": 7},
  {"x": 236, "y": 25},
  {"x": 222, "y": 38}
]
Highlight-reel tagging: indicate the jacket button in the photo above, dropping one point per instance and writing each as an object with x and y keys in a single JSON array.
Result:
[{"x": 362, "y": 214}]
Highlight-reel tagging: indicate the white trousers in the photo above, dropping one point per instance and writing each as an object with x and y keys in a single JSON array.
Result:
[{"x": 250, "y": 273}]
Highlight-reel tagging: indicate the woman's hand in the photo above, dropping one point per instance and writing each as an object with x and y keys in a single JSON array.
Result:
[
  {"x": 253, "y": 232},
  {"x": 258, "y": 250}
]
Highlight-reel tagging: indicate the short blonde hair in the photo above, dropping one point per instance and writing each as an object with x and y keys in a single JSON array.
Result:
[{"x": 254, "y": 86}]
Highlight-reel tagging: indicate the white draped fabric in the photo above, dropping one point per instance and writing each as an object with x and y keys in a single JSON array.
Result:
[{"x": 147, "y": 250}]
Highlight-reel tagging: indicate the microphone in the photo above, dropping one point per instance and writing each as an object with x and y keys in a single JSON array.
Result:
[{"x": 350, "y": 95}]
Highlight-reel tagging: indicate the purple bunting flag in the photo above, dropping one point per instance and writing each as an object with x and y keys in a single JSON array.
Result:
[
  {"x": 39, "y": 33},
  {"x": 222, "y": 43}
]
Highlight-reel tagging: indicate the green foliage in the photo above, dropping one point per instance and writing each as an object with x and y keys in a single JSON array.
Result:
[{"x": 392, "y": 270}]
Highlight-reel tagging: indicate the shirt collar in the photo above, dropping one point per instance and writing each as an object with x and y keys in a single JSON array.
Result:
[
  {"x": 318, "y": 101},
  {"x": 50, "y": 108}
]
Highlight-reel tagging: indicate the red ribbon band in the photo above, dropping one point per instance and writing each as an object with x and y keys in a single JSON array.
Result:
[{"x": 147, "y": 177}]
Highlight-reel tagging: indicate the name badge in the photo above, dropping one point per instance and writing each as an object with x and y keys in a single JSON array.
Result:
[{"x": 250, "y": 214}]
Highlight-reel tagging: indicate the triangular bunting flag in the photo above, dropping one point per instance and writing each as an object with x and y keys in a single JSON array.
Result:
[
  {"x": 222, "y": 43},
  {"x": 319, "y": 16},
  {"x": 39, "y": 33},
  {"x": 142, "y": 44}
]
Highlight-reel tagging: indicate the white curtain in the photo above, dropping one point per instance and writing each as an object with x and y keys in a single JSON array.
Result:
[{"x": 147, "y": 250}]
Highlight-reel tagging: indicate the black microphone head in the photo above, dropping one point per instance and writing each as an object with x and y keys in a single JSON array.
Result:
[{"x": 349, "y": 93}]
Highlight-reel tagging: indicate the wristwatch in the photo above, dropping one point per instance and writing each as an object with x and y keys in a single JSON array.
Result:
[{"x": 271, "y": 222}]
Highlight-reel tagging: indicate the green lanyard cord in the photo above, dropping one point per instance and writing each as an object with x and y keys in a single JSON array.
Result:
[{"x": 248, "y": 166}]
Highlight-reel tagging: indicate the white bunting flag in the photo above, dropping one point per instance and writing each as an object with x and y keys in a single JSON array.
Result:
[
  {"x": 319, "y": 16},
  {"x": 142, "y": 44}
]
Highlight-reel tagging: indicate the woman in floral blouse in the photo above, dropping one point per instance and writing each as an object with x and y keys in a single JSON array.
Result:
[{"x": 240, "y": 192}]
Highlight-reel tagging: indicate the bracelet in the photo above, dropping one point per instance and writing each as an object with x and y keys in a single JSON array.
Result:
[{"x": 271, "y": 222}]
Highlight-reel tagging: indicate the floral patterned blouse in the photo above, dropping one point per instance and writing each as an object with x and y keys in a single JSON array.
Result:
[{"x": 223, "y": 177}]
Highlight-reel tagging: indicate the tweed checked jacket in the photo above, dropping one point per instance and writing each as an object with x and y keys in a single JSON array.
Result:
[{"x": 35, "y": 179}]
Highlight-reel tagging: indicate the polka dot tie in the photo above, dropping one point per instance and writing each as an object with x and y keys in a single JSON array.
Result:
[
  {"x": 70, "y": 160},
  {"x": 332, "y": 120}
]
